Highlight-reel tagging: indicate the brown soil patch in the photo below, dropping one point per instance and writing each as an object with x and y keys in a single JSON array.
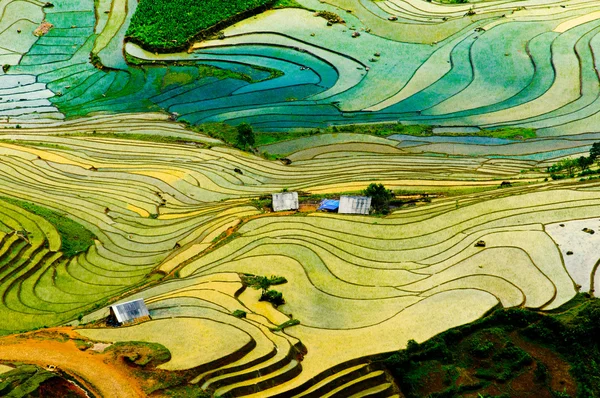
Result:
[
  {"x": 308, "y": 208},
  {"x": 526, "y": 386},
  {"x": 43, "y": 29},
  {"x": 465, "y": 378},
  {"x": 558, "y": 369},
  {"x": 100, "y": 373},
  {"x": 435, "y": 380},
  {"x": 58, "y": 387}
]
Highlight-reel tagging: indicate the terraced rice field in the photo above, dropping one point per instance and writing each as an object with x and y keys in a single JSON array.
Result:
[
  {"x": 531, "y": 64},
  {"x": 94, "y": 136},
  {"x": 359, "y": 285}
]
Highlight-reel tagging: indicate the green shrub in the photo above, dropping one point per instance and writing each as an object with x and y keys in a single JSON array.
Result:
[
  {"x": 262, "y": 282},
  {"x": 286, "y": 324},
  {"x": 272, "y": 296},
  {"x": 380, "y": 197}
]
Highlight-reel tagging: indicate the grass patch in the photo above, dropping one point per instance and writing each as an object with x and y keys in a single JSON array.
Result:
[
  {"x": 387, "y": 129},
  {"x": 23, "y": 381},
  {"x": 208, "y": 70},
  {"x": 262, "y": 282},
  {"x": 228, "y": 133},
  {"x": 288, "y": 4},
  {"x": 75, "y": 238},
  {"x": 36, "y": 144},
  {"x": 170, "y": 25},
  {"x": 286, "y": 324},
  {"x": 511, "y": 133},
  {"x": 165, "y": 139},
  {"x": 222, "y": 74},
  {"x": 383, "y": 129}
]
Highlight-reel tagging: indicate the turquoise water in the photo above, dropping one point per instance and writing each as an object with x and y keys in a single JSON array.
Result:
[{"x": 506, "y": 66}]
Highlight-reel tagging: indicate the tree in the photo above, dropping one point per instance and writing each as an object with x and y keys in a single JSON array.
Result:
[
  {"x": 245, "y": 136},
  {"x": 595, "y": 151},
  {"x": 565, "y": 164},
  {"x": 584, "y": 162},
  {"x": 380, "y": 196}
]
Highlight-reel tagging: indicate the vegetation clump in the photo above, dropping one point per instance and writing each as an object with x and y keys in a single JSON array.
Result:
[
  {"x": 565, "y": 168},
  {"x": 170, "y": 25},
  {"x": 286, "y": 324},
  {"x": 380, "y": 197},
  {"x": 140, "y": 353},
  {"x": 245, "y": 136},
  {"x": 23, "y": 381},
  {"x": 262, "y": 282},
  {"x": 272, "y": 296},
  {"x": 75, "y": 238},
  {"x": 510, "y": 350}
]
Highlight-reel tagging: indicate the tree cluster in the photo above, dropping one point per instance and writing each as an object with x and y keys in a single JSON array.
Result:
[
  {"x": 380, "y": 197},
  {"x": 570, "y": 165}
]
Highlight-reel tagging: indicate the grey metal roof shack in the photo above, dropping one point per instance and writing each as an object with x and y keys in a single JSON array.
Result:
[
  {"x": 129, "y": 312},
  {"x": 285, "y": 201},
  {"x": 355, "y": 205}
]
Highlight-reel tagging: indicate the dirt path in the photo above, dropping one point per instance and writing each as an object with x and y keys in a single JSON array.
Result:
[{"x": 97, "y": 371}]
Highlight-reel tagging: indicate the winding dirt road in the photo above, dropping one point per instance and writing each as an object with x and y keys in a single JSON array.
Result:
[{"x": 98, "y": 372}]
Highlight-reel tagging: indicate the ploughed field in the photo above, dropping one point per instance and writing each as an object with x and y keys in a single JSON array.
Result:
[
  {"x": 160, "y": 213},
  {"x": 486, "y": 64}
]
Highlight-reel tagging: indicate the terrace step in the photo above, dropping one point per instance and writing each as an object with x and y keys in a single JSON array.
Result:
[
  {"x": 26, "y": 255},
  {"x": 27, "y": 294},
  {"x": 13, "y": 252},
  {"x": 281, "y": 375},
  {"x": 355, "y": 386},
  {"x": 244, "y": 365},
  {"x": 11, "y": 294},
  {"x": 335, "y": 380},
  {"x": 7, "y": 243},
  {"x": 46, "y": 290},
  {"x": 281, "y": 358},
  {"x": 381, "y": 391}
]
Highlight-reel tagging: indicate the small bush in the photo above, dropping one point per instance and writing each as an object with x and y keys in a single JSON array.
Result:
[
  {"x": 286, "y": 324},
  {"x": 380, "y": 197},
  {"x": 272, "y": 296}
]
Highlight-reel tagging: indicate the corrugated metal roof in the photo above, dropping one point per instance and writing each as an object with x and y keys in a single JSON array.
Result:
[
  {"x": 285, "y": 201},
  {"x": 355, "y": 205},
  {"x": 130, "y": 310}
]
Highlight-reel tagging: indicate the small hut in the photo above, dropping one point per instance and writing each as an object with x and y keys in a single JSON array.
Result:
[
  {"x": 285, "y": 201},
  {"x": 355, "y": 205},
  {"x": 128, "y": 313}
]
